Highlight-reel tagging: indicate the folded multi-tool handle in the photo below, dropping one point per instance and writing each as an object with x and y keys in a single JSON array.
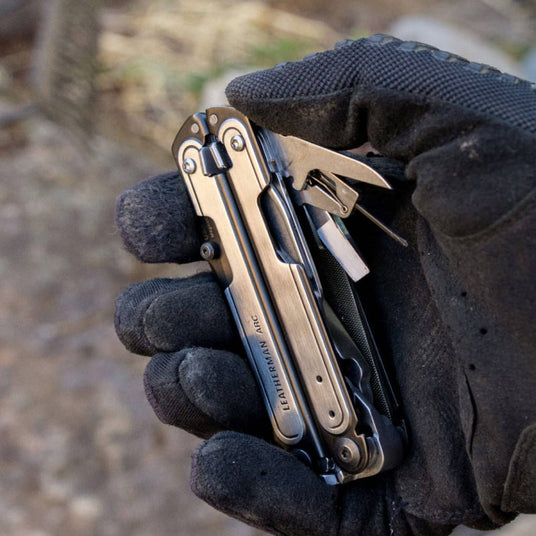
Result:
[{"x": 266, "y": 271}]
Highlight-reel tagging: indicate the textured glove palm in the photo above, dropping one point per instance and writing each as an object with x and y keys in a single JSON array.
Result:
[{"x": 454, "y": 310}]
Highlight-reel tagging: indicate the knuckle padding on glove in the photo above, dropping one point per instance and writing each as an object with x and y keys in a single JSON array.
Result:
[
  {"x": 321, "y": 87},
  {"x": 171, "y": 314},
  {"x": 466, "y": 196},
  {"x": 157, "y": 221}
]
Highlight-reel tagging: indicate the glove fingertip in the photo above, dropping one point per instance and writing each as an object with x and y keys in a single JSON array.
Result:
[
  {"x": 195, "y": 314},
  {"x": 169, "y": 401},
  {"x": 129, "y": 326},
  {"x": 161, "y": 370},
  {"x": 156, "y": 220},
  {"x": 219, "y": 382}
]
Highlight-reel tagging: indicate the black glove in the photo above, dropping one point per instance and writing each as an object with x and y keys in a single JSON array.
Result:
[{"x": 454, "y": 310}]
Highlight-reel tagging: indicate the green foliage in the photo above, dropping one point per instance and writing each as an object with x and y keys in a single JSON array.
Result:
[
  {"x": 515, "y": 49},
  {"x": 194, "y": 82},
  {"x": 262, "y": 55},
  {"x": 174, "y": 79},
  {"x": 278, "y": 50}
]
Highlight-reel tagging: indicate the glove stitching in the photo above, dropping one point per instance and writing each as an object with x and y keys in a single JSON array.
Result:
[
  {"x": 416, "y": 508},
  {"x": 440, "y": 55},
  {"x": 154, "y": 349},
  {"x": 475, "y": 413},
  {"x": 508, "y": 81},
  {"x": 397, "y": 508}
]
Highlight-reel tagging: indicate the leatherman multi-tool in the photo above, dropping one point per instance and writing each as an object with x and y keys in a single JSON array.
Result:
[{"x": 272, "y": 208}]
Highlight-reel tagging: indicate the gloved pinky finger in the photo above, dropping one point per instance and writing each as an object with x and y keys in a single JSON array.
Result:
[
  {"x": 204, "y": 391},
  {"x": 264, "y": 486},
  {"x": 271, "y": 489}
]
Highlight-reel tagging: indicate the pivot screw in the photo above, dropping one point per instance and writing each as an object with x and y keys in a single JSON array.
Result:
[
  {"x": 189, "y": 166},
  {"x": 237, "y": 143},
  {"x": 347, "y": 454},
  {"x": 209, "y": 250}
]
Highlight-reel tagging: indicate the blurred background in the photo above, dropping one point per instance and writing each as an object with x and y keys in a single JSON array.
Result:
[{"x": 91, "y": 96}]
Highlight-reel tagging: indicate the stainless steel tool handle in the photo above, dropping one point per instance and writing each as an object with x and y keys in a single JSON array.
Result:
[
  {"x": 247, "y": 295},
  {"x": 291, "y": 294}
]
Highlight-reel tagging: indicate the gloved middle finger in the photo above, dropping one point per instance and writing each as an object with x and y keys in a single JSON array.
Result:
[{"x": 167, "y": 315}]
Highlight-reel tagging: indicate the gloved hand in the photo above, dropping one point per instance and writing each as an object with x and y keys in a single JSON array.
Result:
[{"x": 454, "y": 310}]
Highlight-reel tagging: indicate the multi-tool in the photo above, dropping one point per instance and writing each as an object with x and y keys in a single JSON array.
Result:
[{"x": 272, "y": 209}]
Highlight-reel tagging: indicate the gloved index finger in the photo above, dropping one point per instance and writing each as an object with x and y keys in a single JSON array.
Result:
[
  {"x": 342, "y": 97},
  {"x": 157, "y": 221}
]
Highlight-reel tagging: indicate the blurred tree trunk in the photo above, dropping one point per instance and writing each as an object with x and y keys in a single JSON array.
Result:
[
  {"x": 65, "y": 65},
  {"x": 18, "y": 18}
]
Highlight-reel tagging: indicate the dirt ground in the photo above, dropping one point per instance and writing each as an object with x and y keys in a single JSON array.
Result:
[{"x": 80, "y": 450}]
